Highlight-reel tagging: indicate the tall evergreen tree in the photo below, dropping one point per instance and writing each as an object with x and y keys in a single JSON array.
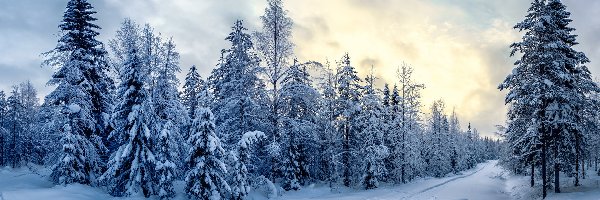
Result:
[
  {"x": 437, "y": 156},
  {"x": 329, "y": 138},
  {"x": 81, "y": 80},
  {"x": 371, "y": 149},
  {"x": 349, "y": 91},
  {"x": 237, "y": 88},
  {"x": 192, "y": 88},
  {"x": 206, "y": 178},
  {"x": 82, "y": 73},
  {"x": 131, "y": 168},
  {"x": 168, "y": 109},
  {"x": 298, "y": 100},
  {"x": 550, "y": 83},
  {"x": 3, "y": 131}
]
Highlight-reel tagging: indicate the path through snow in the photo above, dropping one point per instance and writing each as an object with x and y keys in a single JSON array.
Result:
[{"x": 483, "y": 182}]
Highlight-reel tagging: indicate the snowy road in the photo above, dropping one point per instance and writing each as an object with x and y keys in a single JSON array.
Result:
[{"x": 483, "y": 182}]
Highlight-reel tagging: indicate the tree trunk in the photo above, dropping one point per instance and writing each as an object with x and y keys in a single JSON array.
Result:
[
  {"x": 577, "y": 158},
  {"x": 544, "y": 182},
  {"x": 532, "y": 174},
  {"x": 583, "y": 168},
  {"x": 556, "y": 177},
  {"x": 577, "y": 169},
  {"x": 347, "y": 155}
]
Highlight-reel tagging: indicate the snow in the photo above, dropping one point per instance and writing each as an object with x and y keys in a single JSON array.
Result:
[
  {"x": 486, "y": 181},
  {"x": 74, "y": 108}
]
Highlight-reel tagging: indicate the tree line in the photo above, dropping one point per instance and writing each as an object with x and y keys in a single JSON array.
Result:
[{"x": 262, "y": 119}]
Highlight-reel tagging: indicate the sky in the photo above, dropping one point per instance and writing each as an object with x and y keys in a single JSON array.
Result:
[{"x": 458, "y": 49}]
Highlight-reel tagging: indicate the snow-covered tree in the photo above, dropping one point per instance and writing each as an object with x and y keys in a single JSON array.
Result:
[
  {"x": 438, "y": 153},
  {"x": 71, "y": 167},
  {"x": 349, "y": 93},
  {"x": 298, "y": 100},
  {"x": 275, "y": 48},
  {"x": 21, "y": 140},
  {"x": 240, "y": 184},
  {"x": 3, "y": 131},
  {"x": 81, "y": 79},
  {"x": 548, "y": 88},
  {"x": 165, "y": 101},
  {"x": 206, "y": 178},
  {"x": 165, "y": 165},
  {"x": 403, "y": 119},
  {"x": 237, "y": 88},
  {"x": 329, "y": 139},
  {"x": 371, "y": 149},
  {"x": 131, "y": 168},
  {"x": 82, "y": 69},
  {"x": 192, "y": 88}
]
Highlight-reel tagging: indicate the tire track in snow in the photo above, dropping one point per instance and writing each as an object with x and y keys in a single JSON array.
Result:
[{"x": 445, "y": 182}]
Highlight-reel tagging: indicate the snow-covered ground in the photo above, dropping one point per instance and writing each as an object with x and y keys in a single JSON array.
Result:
[
  {"x": 483, "y": 182},
  {"x": 486, "y": 181}
]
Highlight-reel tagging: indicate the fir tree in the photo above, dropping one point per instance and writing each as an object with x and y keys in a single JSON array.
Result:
[
  {"x": 206, "y": 178},
  {"x": 237, "y": 88},
  {"x": 165, "y": 167},
  {"x": 192, "y": 88},
  {"x": 371, "y": 148},
  {"x": 132, "y": 166},
  {"x": 241, "y": 185},
  {"x": 548, "y": 88},
  {"x": 81, "y": 80},
  {"x": 349, "y": 91},
  {"x": 298, "y": 100}
]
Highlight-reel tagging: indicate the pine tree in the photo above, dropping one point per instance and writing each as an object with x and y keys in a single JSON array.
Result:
[
  {"x": 3, "y": 131},
  {"x": 166, "y": 103},
  {"x": 132, "y": 166},
  {"x": 82, "y": 73},
  {"x": 206, "y": 178},
  {"x": 237, "y": 88},
  {"x": 192, "y": 88},
  {"x": 165, "y": 167},
  {"x": 405, "y": 106},
  {"x": 371, "y": 148},
  {"x": 548, "y": 87},
  {"x": 241, "y": 185},
  {"x": 438, "y": 151},
  {"x": 349, "y": 91},
  {"x": 71, "y": 167},
  {"x": 329, "y": 138},
  {"x": 298, "y": 101}
]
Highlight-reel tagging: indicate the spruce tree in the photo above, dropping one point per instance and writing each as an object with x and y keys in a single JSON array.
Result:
[
  {"x": 81, "y": 80},
  {"x": 298, "y": 102},
  {"x": 349, "y": 91},
  {"x": 131, "y": 168},
  {"x": 241, "y": 182},
  {"x": 237, "y": 88},
  {"x": 548, "y": 88},
  {"x": 192, "y": 88},
  {"x": 206, "y": 178},
  {"x": 372, "y": 150}
]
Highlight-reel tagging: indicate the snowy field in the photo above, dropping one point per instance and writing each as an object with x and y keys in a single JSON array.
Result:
[{"x": 486, "y": 181}]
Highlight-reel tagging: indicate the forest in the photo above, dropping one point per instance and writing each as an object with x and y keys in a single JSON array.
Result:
[{"x": 119, "y": 119}]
